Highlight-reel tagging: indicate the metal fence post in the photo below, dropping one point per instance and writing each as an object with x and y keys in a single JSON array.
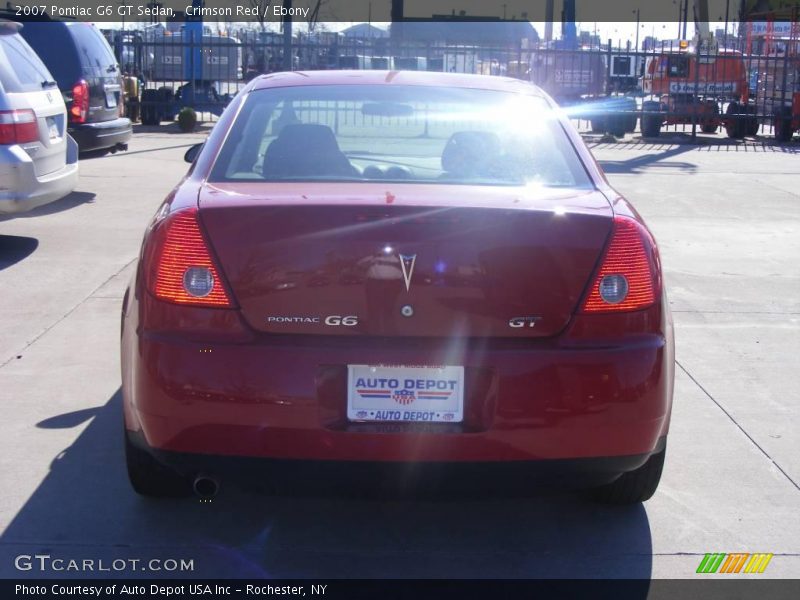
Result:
[{"x": 696, "y": 93}]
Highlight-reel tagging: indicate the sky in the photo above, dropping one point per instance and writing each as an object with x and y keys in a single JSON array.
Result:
[{"x": 618, "y": 32}]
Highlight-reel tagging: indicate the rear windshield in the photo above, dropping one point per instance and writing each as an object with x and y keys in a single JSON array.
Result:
[
  {"x": 92, "y": 46},
  {"x": 20, "y": 68},
  {"x": 411, "y": 134},
  {"x": 54, "y": 45}
]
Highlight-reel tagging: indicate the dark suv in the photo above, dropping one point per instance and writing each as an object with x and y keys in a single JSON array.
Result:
[{"x": 89, "y": 78}]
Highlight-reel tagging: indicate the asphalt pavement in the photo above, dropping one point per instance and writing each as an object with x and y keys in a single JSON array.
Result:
[{"x": 727, "y": 218}]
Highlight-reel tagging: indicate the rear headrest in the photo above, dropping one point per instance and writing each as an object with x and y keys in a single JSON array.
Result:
[
  {"x": 305, "y": 149},
  {"x": 319, "y": 136},
  {"x": 470, "y": 152}
]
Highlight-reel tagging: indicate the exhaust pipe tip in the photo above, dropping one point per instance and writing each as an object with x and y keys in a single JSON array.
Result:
[{"x": 205, "y": 486}]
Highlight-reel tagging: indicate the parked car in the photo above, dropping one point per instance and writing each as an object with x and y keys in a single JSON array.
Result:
[
  {"x": 90, "y": 79},
  {"x": 38, "y": 158},
  {"x": 504, "y": 310}
]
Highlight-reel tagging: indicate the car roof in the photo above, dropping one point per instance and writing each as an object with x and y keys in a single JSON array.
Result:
[
  {"x": 420, "y": 78},
  {"x": 9, "y": 27}
]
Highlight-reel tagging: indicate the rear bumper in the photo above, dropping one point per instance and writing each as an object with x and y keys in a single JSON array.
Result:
[
  {"x": 22, "y": 190},
  {"x": 102, "y": 135},
  {"x": 284, "y": 397},
  {"x": 364, "y": 477}
]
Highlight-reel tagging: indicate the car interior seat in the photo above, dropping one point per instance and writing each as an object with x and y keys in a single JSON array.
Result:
[
  {"x": 305, "y": 150},
  {"x": 469, "y": 154}
]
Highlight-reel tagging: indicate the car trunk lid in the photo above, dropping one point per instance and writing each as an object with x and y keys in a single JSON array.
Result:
[
  {"x": 48, "y": 152},
  {"x": 405, "y": 259}
]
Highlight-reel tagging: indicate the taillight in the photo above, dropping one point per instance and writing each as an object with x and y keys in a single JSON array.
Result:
[
  {"x": 79, "y": 108},
  {"x": 18, "y": 126},
  {"x": 181, "y": 269},
  {"x": 627, "y": 277},
  {"x": 123, "y": 97}
]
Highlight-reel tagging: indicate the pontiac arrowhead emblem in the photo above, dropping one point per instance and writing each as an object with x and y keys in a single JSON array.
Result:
[{"x": 407, "y": 264}]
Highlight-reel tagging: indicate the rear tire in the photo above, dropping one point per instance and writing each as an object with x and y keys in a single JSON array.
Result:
[
  {"x": 709, "y": 124},
  {"x": 630, "y": 123},
  {"x": 598, "y": 125},
  {"x": 651, "y": 124},
  {"x": 148, "y": 477},
  {"x": 735, "y": 123},
  {"x": 752, "y": 125},
  {"x": 149, "y": 109},
  {"x": 166, "y": 97},
  {"x": 783, "y": 127},
  {"x": 635, "y": 486},
  {"x": 617, "y": 125}
]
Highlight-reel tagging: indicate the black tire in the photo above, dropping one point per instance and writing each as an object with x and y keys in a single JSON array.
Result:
[
  {"x": 709, "y": 124},
  {"x": 752, "y": 125},
  {"x": 148, "y": 477},
  {"x": 149, "y": 110},
  {"x": 783, "y": 127},
  {"x": 166, "y": 97},
  {"x": 617, "y": 125},
  {"x": 635, "y": 486},
  {"x": 650, "y": 125},
  {"x": 598, "y": 125},
  {"x": 735, "y": 124},
  {"x": 630, "y": 123}
]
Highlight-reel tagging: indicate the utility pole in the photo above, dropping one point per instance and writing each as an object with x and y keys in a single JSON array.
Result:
[
  {"x": 288, "y": 63},
  {"x": 549, "y": 13},
  {"x": 685, "y": 17},
  {"x": 397, "y": 18},
  {"x": 727, "y": 15}
]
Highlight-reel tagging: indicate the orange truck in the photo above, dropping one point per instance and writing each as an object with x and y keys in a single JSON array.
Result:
[
  {"x": 682, "y": 85},
  {"x": 773, "y": 29},
  {"x": 777, "y": 86}
]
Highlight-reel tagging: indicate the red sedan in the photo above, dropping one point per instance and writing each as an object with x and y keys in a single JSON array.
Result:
[{"x": 396, "y": 274}]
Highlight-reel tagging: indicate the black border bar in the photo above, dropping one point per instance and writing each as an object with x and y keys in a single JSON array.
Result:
[
  {"x": 385, "y": 11},
  {"x": 708, "y": 587}
]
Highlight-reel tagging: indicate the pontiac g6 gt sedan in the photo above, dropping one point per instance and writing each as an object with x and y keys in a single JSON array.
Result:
[{"x": 396, "y": 277}]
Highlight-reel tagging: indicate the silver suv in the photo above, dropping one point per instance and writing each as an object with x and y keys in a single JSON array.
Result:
[{"x": 38, "y": 158}]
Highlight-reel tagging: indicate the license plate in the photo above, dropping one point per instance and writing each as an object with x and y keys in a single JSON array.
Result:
[
  {"x": 428, "y": 394},
  {"x": 111, "y": 99}
]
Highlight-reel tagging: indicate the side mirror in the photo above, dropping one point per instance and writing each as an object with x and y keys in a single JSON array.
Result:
[{"x": 192, "y": 152}]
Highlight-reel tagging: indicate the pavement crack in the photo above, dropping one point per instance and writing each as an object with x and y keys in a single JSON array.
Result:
[
  {"x": 65, "y": 315},
  {"x": 779, "y": 189},
  {"x": 735, "y": 422}
]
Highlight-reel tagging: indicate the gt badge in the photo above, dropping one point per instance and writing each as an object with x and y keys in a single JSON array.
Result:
[{"x": 518, "y": 322}]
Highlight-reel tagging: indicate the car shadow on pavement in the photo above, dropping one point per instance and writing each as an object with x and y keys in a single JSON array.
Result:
[
  {"x": 84, "y": 508},
  {"x": 658, "y": 159},
  {"x": 171, "y": 127},
  {"x": 69, "y": 201},
  {"x": 15, "y": 248}
]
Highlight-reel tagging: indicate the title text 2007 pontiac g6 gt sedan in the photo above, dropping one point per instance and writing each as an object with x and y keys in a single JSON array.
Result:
[{"x": 396, "y": 274}]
